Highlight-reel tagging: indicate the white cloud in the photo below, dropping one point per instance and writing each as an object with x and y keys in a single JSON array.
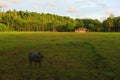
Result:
[
  {"x": 85, "y": 3},
  {"x": 36, "y": 7},
  {"x": 37, "y": 3},
  {"x": 95, "y": 5},
  {"x": 72, "y": 9},
  {"x": 52, "y": 4},
  {"x": 4, "y": 4},
  {"x": 107, "y": 9},
  {"x": 16, "y": 1}
]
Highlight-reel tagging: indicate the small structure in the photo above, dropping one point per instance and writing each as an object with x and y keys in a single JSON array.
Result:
[
  {"x": 54, "y": 30},
  {"x": 81, "y": 29}
]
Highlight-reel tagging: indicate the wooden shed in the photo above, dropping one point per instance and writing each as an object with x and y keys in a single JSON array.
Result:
[{"x": 81, "y": 30}]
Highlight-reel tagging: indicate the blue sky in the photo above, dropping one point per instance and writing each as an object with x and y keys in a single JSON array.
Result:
[{"x": 96, "y": 9}]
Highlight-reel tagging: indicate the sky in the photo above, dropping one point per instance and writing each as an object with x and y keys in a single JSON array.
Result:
[{"x": 95, "y": 9}]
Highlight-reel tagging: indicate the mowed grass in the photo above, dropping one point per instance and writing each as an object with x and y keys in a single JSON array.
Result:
[{"x": 68, "y": 56}]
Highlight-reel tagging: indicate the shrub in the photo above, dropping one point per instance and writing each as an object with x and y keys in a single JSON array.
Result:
[{"x": 3, "y": 27}]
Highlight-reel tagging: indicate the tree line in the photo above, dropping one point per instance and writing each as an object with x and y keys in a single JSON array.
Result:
[{"x": 33, "y": 21}]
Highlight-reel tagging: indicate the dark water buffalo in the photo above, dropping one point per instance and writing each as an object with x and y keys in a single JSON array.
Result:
[{"x": 35, "y": 57}]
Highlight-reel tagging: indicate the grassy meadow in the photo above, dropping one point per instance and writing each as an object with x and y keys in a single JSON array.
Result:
[{"x": 68, "y": 56}]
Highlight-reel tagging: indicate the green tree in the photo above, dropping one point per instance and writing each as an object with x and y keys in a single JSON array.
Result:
[
  {"x": 98, "y": 25},
  {"x": 91, "y": 27},
  {"x": 3, "y": 27},
  {"x": 116, "y": 22},
  {"x": 109, "y": 23},
  {"x": 70, "y": 26},
  {"x": 33, "y": 21},
  {"x": 80, "y": 23}
]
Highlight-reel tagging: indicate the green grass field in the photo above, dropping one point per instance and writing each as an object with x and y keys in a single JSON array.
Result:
[{"x": 68, "y": 56}]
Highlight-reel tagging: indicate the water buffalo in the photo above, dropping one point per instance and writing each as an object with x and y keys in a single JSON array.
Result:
[{"x": 35, "y": 57}]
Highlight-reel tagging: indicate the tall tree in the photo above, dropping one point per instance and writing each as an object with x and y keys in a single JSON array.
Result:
[
  {"x": 98, "y": 25},
  {"x": 70, "y": 26},
  {"x": 80, "y": 23},
  {"x": 116, "y": 23},
  {"x": 109, "y": 23}
]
